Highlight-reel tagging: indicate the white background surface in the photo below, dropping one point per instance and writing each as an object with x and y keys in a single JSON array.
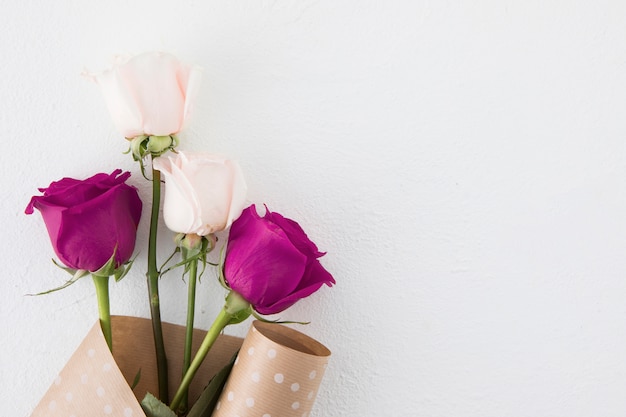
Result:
[{"x": 462, "y": 163}]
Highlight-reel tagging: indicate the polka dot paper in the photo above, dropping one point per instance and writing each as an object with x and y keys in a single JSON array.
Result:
[
  {"x": 95, "y": 383},
  {"x": 276, "y": 374},
  {"x": 90, "y": 384}
]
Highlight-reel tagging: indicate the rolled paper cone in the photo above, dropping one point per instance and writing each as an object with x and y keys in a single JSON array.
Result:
[
  {"x": 96, "y": 383},
  {"x": 277, "y": 373},
  {"x": 90, "y": 384}
]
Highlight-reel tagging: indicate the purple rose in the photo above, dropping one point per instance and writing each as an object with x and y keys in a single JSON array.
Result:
[
  {"x": 89, "y": 220},
  {"x": 271, "y": 262}
]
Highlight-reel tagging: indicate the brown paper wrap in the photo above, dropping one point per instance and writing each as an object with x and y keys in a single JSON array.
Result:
[
  {"x": 276, "y": 374},
  {"x": 96, "y": 383}
]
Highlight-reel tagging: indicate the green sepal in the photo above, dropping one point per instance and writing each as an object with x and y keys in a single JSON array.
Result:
[
  {"x": 121, "y": 272},
  {"x": 221, "y": 276},
  {"x": 153, "y": 407},
  {"x": 142, "y": 145},
  {"x": 142, "y": 166},
  {"x": 184, "y": 263},
  {"x": 138, "y": 147},
  {"x": 192, "y": 254},
  {"x": 78, "y": 274},
  {"x": 109, "y": 269},
  {"x": 70, "y": 271},
  {"x": 207, "y": 401},
  {"x": 264, "y": 320},
  {"x": 161, "y": 271}
]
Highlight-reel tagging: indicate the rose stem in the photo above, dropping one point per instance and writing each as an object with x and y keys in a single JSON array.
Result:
[
  {"x": 233, "y": 308},
  {"x": 104, "y": 310},
  {"x": 191, "y": 303},
  {"x": 221, "y": 321},
  {"x": 153, "y": 289}
]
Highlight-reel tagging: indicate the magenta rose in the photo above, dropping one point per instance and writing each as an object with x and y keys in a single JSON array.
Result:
[
  {"x": 89, "y": 220},
  {"x": 271, "y": 262}
]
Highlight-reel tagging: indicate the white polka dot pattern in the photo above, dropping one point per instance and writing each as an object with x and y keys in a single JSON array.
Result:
[
  {"x": 89, "y": 384},
  {"x": 273, "y": 379}
]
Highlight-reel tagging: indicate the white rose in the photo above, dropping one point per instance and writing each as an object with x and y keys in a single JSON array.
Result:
[
  {"x": 149, "y": 94},
  {"x": 204, "y": 193}
]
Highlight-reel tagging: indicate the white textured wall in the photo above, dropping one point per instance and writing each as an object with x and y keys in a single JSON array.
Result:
[{"x": 463, "y": 163}]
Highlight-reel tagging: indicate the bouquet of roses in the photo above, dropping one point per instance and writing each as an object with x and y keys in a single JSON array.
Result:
[{"x": 267, "y": 264}]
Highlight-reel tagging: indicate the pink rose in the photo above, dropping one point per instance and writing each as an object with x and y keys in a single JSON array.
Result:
[
  {"x": 89, "y": 220},
  {"x": 271, "y": 262},
  {"x": 204, "y": 193},
  {"x": 149, "y": 94}
]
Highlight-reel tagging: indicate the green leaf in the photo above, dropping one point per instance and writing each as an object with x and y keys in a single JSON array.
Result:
[
  {"x": 136, "y": 380},
  {"x": 153, "y": 407},
  {"x": 208, "y": 399}
]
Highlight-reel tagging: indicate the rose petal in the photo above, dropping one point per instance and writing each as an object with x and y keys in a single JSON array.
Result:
[
  {"x": 261, "y": 263},
  {"x": 89, "y": 233},
  {"x": 295, "y": 233},
  {"x": 203, "y": 192},
  {"x": 314, "y": 277},
  {"x": 180, "y": 208},
  {"x": 149, "y": 94}
]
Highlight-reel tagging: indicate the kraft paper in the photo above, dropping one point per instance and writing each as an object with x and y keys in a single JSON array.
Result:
[
  {"x": 277, "y": 373},
  {"x": 96, "y": 383}
]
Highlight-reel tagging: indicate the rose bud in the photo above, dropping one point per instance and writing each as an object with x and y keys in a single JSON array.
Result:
[{"x": 203, "y": 193}]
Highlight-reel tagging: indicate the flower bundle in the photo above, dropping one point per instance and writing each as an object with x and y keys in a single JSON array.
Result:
[{"x": 268, "y": 262}]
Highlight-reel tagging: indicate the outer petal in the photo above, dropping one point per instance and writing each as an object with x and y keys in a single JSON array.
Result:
[
  {"x": 180, "y": 208},
  {"x": 69, "y": 192},
  {"x": 295, "y": 233},
  {"x": 217, "y": 181},
  {"x": 210, "y": 180},
  {"x": 120, "y": 98},
  {"x": 239, "y": 192},
  {"x": 91, "y": 232},
  {"x": 159, "y": 95},
  {"x": 149, "y": 94},
  {"x": 261, "y": 263},
  {"x": 53, "y": 217},
  {"x": 191, "y": 86},
  {"x": 314, "y": 277}
]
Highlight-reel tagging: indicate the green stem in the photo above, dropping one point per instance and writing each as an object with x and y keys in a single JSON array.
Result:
[
  {"x": 104, "y": 309},
  {"x": 153, "y": 289},
  {"x": 221, "y": 321},
  {"x": 191, "y": 303}
]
